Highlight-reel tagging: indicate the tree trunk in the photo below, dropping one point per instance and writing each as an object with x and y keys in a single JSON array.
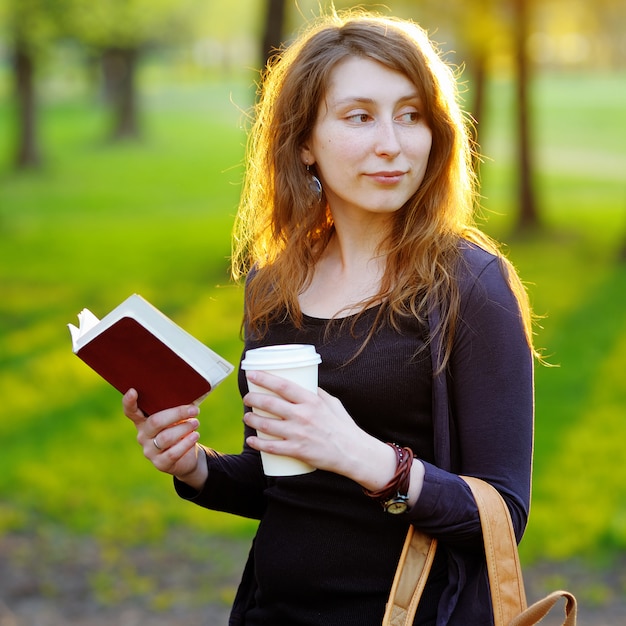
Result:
[
  {"x": 274, "y": 28},
  {"x": 119, "y": 69},
  {"x": 27, "y": 153},
  {"x": 621, "y": 257},
  {"x": 479, "y": 84},
  {"x": 528, "y": 216}
]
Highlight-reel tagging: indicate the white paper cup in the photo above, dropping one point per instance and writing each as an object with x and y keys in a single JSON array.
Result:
[{"x": 297, "y": 363}]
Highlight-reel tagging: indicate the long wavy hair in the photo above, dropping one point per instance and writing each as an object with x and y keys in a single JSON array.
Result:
[{"x": 281, "y": 230}]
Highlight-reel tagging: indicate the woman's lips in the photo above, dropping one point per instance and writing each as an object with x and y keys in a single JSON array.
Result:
[{"x": 387, "y": 178}]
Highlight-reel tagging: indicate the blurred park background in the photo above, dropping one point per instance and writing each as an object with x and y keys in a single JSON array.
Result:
[{"x": 122, "y": 130}]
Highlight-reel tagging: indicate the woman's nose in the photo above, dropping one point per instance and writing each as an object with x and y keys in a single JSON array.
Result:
[{"x": 387, "y": 141}]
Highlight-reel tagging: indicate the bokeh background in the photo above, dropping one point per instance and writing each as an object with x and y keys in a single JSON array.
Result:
[{"x": 122, "y": 133}]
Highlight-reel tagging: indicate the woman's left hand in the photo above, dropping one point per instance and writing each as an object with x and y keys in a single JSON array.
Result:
[{"x": 313, "y": 428}]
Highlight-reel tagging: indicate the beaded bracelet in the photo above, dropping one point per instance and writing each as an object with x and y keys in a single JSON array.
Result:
[{"x": 394, "y": 497}]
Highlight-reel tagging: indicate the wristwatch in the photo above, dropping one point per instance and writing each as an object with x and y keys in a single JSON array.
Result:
[{"x": 396, "y": 505}]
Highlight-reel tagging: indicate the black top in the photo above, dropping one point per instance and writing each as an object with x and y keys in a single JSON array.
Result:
[{"x": 325, "y": 553}]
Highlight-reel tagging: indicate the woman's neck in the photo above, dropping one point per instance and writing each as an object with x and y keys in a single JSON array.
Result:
[{"x": 348, "y": 274}]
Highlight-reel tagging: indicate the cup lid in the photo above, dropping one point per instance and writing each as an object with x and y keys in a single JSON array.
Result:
[{"x": 281, "y": 356}]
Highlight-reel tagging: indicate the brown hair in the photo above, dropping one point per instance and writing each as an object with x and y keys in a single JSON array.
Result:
[{"x": 281, "y": 231}]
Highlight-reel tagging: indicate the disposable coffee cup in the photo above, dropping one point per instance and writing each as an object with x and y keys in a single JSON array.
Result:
[{"x": 297, "y": 363}]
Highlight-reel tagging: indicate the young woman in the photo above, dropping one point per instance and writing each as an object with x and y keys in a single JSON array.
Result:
[{"x": 355, "y": 234}]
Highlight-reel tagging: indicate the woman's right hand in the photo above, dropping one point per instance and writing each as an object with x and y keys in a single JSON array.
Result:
[{"x": 169, "y": 439}]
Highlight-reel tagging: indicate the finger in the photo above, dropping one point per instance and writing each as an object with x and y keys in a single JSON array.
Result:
[
  {"x": 168, "y": 437},
  {"x": 170, "y": 417},
  {"x": 282, "y": 387},
  {"x": 268, "y": 425},
  {"x": 172, "y": 459},
  {"x": 270, "y": 402},
  {"x": 276, "y": 445},
  {"x": 131, "y": 409}
]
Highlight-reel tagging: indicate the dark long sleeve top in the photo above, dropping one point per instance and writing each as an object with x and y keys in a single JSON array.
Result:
[{"x": 325, "y": 554}]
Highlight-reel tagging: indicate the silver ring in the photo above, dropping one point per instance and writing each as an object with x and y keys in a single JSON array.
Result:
[{"x": 156, "y": 444}]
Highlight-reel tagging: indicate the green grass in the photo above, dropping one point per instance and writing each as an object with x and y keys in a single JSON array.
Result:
[{"x": 101, "y": 221}]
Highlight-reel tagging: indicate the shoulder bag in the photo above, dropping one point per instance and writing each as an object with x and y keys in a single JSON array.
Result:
[{"x": 508, "y": 596}]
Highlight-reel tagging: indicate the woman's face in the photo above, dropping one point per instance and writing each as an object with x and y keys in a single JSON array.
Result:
[{"x": 370, "y": 143}]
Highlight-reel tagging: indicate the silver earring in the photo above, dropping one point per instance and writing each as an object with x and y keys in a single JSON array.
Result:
[{"x": 314, "y": 184}]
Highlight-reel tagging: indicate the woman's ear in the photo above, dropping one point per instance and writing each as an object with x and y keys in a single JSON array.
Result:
[{"x": 306, "y": 155}]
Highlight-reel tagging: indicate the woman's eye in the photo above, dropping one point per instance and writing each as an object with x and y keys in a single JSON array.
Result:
[
  {"x": 359, "y": 118},
  {"x": 410, "y": 117}
]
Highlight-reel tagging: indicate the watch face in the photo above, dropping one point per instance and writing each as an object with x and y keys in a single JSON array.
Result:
[{"x": 396, "y": 506}]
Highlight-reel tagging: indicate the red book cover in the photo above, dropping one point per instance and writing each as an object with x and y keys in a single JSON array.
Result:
[
  {"x": 137, "y": 346},
  {"x": 128, "y": 355}
]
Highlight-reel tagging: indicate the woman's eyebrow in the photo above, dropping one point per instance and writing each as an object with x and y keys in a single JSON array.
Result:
[
  {"x": 352, "y": 100},
  {"x": 364, "y": 100}
]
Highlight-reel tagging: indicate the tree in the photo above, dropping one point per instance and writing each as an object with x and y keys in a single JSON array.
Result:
[
  {"x": 31, "y": 25},
  {"x": 120, "y": 32},
  {"x": 23, "y": 63},
  {"x": 274, "y": 28},
  {"x": 528, "y": 215},
  {"x": 476, "y": 49},
  {"x": 478, "y": 30}
]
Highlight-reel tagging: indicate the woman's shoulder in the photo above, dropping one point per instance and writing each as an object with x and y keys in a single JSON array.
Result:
[
  {"x": 482, "y": 274},
  {"x": 474, "y": 261}
]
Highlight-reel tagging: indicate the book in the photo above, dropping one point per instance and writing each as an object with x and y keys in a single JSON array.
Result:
[{"x": 137, "y": 346}]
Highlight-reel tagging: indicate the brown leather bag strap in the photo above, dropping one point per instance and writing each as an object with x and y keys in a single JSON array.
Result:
[
  {"x": 505, "y": 574},
  {"x": 537, "y": 611},
  {"x": 416, "y": 560}
]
